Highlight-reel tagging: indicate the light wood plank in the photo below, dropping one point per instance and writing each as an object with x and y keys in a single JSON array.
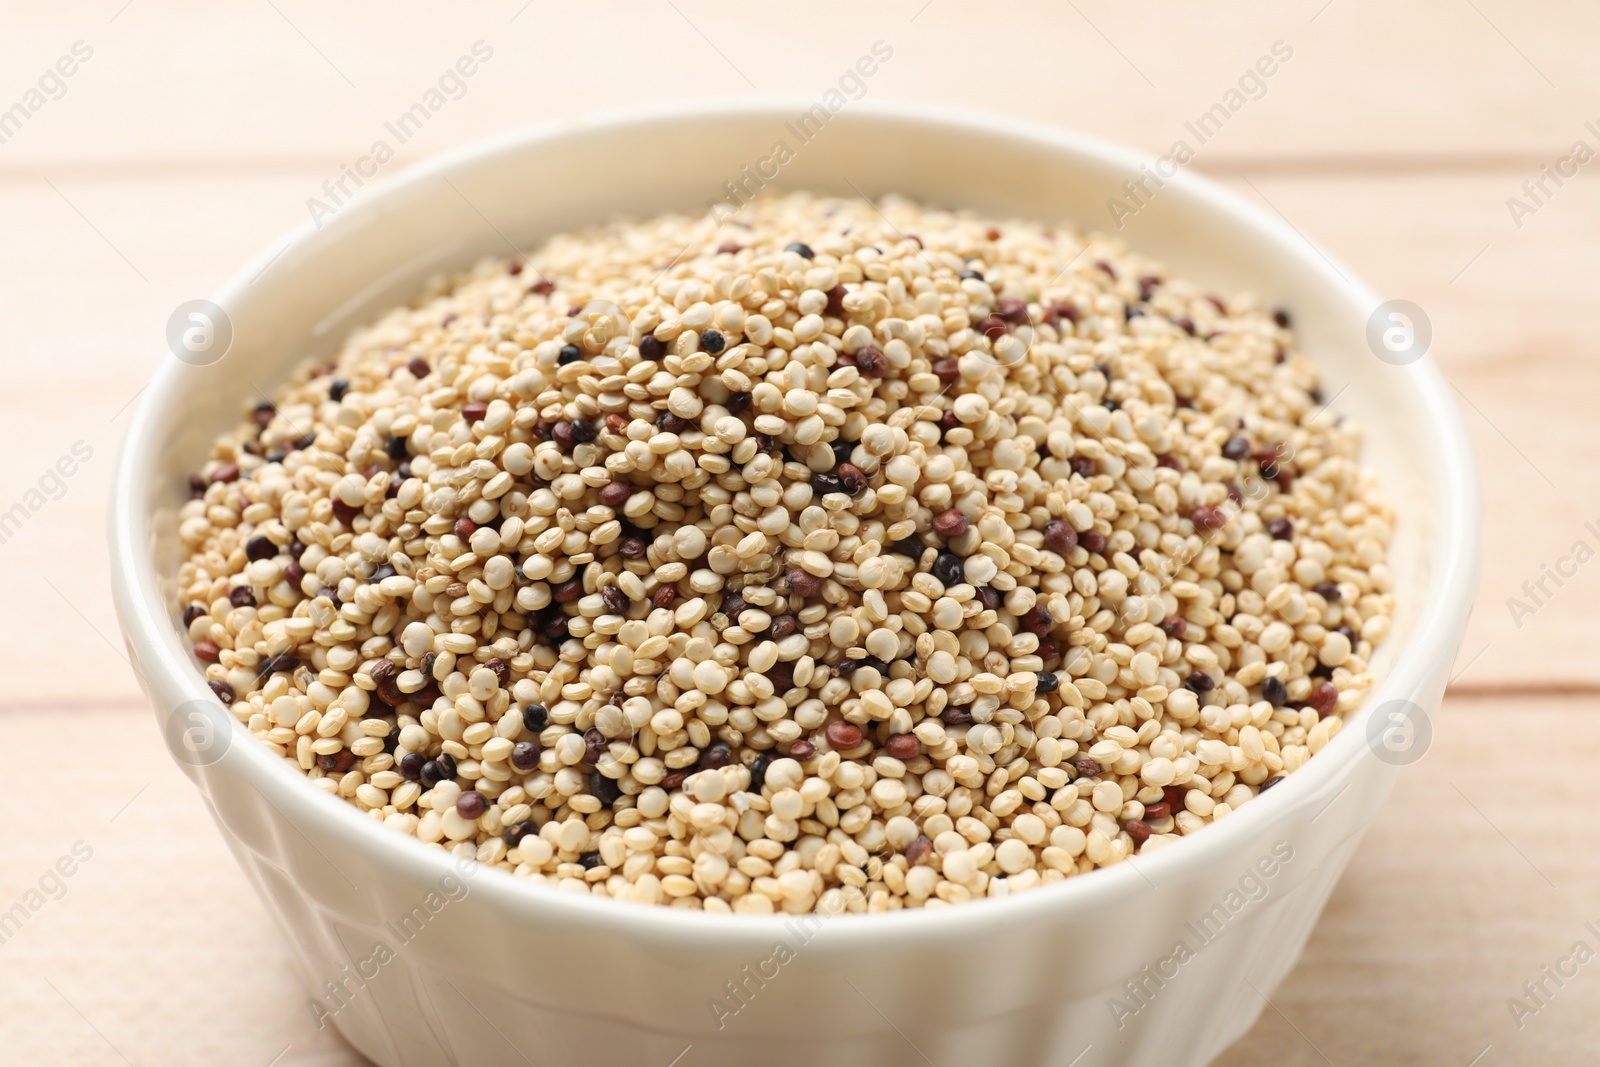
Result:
[{"x": 199, "y": 85}]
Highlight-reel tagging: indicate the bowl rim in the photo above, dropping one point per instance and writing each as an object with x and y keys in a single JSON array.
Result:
[{"x": 165, "y": 663}]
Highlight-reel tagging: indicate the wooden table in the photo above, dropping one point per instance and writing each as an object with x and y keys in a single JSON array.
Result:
[{"x": 192, "y": 136}]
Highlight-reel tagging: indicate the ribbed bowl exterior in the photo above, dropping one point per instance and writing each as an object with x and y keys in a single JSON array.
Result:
[{"x": 421, "y": 961}]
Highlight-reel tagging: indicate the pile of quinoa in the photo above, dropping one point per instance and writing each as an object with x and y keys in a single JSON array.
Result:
[{"x": 829, "y": 556}]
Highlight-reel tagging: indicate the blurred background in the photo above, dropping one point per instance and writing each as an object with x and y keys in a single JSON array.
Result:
[{"x": 1440, "y": 149}]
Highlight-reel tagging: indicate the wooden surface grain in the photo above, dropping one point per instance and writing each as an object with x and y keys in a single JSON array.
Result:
[{"x": 1394, "y": 136}]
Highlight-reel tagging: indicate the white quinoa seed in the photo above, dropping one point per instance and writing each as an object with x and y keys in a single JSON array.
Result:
[{"x": 885, "y": 572}]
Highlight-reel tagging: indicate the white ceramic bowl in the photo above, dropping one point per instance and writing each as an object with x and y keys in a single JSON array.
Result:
[{"x": 492, "y": 970}]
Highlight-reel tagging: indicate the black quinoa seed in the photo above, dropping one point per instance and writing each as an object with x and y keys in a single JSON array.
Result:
[
  {"x": 1048, "y": 682},
  {"x": 1199, "y": 682},
  {"x": 948, "y": 568},
  {"x": 781, "y": 675},
  {"x": 432, "y": 773},
  {"x": 337, "y": 389},
  {"x": 712, "y": 341},
  {"x": 908, "y": 546},
  {"x": 606, "y": 790},
  {"x": 956, "y": 716},
  {"x": 594, "y": 743},
  {"x": 875, "y": 663},
  {"x": 395, "y": 447},
  {"x": 800, "y": 249},
  {"x": 1273, "y": 692},
  {"x": 758, "y": 771},
  {"x": 242, "y": 596},
  {"x": 650, "y": 348},
  {"x": 535, "y": 717},
  {"x": 260, "y": 547},
  {"x": 223, "y": 690},
  {"x": 569, "y": 354},
  {"x": 590, "y": 860},
  {"x": 718, "y": 754},
  {"x": 823, "y": 484}
]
